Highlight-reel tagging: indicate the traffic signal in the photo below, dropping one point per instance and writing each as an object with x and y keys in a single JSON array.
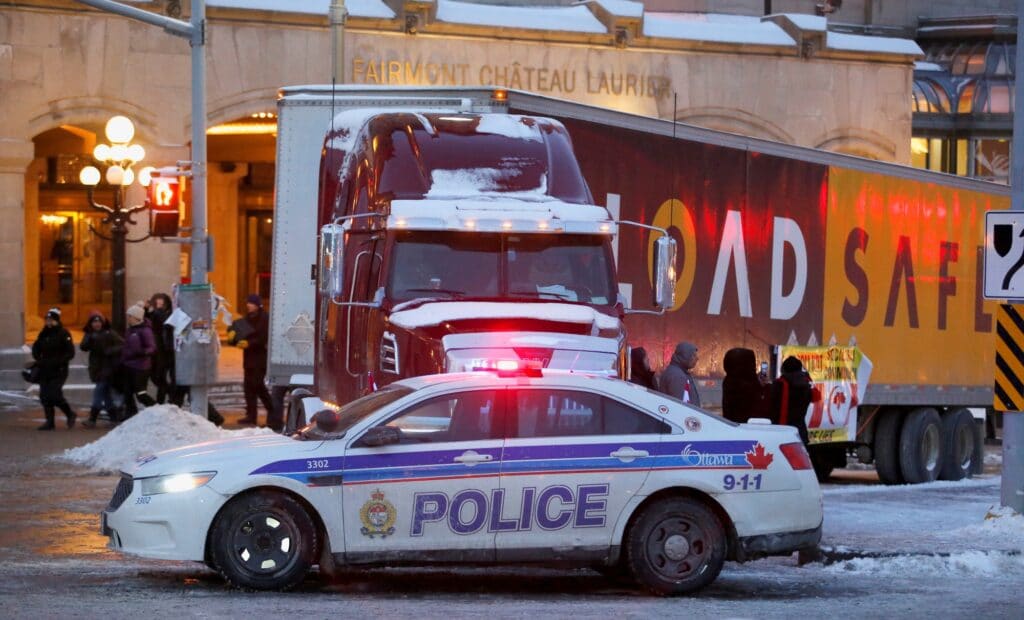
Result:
[{"x": 165, "y": 203}]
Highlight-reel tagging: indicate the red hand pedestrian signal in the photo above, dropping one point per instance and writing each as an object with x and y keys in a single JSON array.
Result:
[{"x": 164, "y": 206}]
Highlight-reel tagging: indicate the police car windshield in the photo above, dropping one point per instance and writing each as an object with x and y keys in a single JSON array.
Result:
[{"x": 349, "y": 415}]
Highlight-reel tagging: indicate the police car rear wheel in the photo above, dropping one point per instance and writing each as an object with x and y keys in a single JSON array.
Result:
[
  {"x": 676, "y": 546},
  {"x": 264, "y": 541}
]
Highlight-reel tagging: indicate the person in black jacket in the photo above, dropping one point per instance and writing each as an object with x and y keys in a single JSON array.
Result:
[
  {"x": 254, "y": 362},
  {"x": 103, "y": 345},
  {"x": 158, "y": 308},
  {"x": 792, "y": 394},
  {"x": 53, "y": 351},
  {"x": 743, "y": 395},
  {"x": 640, "y": 368}
]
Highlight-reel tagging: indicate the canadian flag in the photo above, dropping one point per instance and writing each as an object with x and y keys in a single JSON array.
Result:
[{"x": 686, "y": 393}]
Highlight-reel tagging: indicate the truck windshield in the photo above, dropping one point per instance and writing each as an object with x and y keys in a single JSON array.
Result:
[{"x": 571, "y": 268}]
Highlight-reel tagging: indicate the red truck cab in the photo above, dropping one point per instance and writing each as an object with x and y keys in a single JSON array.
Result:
[{"x": 449, "y": 241}]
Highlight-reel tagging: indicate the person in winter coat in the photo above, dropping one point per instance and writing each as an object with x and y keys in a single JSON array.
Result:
[
  {"x": 792, "y": 394},
  {"x": 676, "y": 380},
  {"x": 640, "y": 368},
  {"x": 743, "y": 394},
  {"x": 53, "y": 350},
  {"x": 158, "y": 308},
  {"x": 136, "y": 360},
  {"x": 103, "y": 345},
  {"x": 254, "y": 362}
]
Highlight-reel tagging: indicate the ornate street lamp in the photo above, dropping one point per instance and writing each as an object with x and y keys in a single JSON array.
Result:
[{"x": 119, "y": 156}]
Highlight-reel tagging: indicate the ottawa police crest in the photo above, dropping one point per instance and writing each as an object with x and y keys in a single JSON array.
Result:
[{"x": 378, "y": 516}]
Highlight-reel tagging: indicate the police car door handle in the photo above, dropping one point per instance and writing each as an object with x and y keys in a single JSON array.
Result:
[
  {"x": 471, "y": 457},
  {"x": 628, "y": 454}
]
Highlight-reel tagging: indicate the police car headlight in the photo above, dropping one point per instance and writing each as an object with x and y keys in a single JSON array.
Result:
[{"x": 175, "y": 483}]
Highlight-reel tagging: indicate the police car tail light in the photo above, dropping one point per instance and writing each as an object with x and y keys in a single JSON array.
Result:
[
  {"x": 175, "y": 483},
  {"x": 509, "y": 368},
  {"x": 797, "y": 455}
]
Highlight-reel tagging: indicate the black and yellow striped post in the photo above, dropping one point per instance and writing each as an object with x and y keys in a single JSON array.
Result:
[{"x": 1009, "y": 378}]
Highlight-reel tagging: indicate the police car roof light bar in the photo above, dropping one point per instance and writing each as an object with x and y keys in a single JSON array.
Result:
[{"x": 510, "y": 368}]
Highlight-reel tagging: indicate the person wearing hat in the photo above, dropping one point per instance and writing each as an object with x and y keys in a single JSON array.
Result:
[
  {"x": 254, "y": 363},
  {"x": 676, "y": 380},
  {"x": 136, "y": 360},
  {"x": 53, "y": 350}
]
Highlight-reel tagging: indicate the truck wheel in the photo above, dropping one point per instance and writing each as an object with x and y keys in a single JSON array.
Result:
[
  {"x": 921, "y": 446},
  {"x": 887, "y": 446},
  {"x": 263, "y": 541},
  {"x": 675, "y": 546},
  {"x": 958, "y": 444}
]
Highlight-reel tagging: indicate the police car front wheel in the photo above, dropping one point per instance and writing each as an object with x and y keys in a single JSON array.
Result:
[
  {"x": 264, "y": 540},
  {"x": 676, "y": 546}
]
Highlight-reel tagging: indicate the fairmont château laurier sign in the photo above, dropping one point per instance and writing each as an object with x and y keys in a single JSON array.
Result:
[{"x": 539, "y": 79}]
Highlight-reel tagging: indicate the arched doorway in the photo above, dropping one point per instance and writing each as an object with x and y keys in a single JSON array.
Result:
[{"x": 67, "y": 260}]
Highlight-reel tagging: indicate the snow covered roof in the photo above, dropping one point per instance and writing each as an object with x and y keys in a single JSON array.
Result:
[
  {"x": 921, "y": 65},
  {"x": 806, "y": 21},
  {"x": 436, "y": 313},
  {"x": 714, "y": 27},
  {"x": 356, "y": 8},
  {"x": 881, "y": 45},
  {"x": 569, "y": 19},
  {"x": 622, "y": 8}
]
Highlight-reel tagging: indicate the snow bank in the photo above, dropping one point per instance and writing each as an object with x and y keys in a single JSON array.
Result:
[
  {"x": 1001, "y": 524},
  {"x": 985, "y": 563},
  {"x": 852, "y": 489},
  {"x": 154, "y": 429}
]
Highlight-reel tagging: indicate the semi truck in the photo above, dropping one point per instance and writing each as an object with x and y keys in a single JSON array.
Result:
[
  {"x": 447, "y": 235},
  {"x": 779, "y": 245}
]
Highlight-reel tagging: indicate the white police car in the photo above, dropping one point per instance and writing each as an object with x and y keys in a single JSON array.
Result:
[{"x": 481, "y": 468}]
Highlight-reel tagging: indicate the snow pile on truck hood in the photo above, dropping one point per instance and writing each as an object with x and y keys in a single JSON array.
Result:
[
  {"x": 441, "y": 312},
  {"x": 152, "y": 430}
]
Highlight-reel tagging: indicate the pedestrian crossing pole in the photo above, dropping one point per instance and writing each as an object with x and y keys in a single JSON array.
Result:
[{"x": 1012, "y": 490}]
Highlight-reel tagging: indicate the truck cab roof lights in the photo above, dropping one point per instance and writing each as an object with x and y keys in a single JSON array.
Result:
[
  {"x": 500, "y": 94},
  {"x": 509, "y": 225},
  {"x": 509, "y": 368}
]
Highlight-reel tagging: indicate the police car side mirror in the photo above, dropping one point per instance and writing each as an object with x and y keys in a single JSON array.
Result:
[
  {"x": 380, "y": 436},
  {"x": 326, "y": 420},
  {"x": 665, "y": 272},
  {"x": 332, "y": 260}
]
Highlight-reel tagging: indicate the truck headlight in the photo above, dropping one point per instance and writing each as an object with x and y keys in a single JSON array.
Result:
[{"x": 175, "y": 483}]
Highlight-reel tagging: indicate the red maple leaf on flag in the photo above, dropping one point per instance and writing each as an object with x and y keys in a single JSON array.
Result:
[{"x": 758, "y": 458}]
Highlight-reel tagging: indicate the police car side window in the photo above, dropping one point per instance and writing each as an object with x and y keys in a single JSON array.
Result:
[
  {"x": 465, "y": 416},
  {"x": 563, "y": 413}
]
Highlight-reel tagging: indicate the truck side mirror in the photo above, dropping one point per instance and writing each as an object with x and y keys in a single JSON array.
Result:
[
  {"x": 380, "y": 436},
  {"x": 665, "y": 272},
  {"x": 332, "y": 260}
]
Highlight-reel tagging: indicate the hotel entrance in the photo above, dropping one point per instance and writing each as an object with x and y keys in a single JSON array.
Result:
[{"x": 74, "y": 266}]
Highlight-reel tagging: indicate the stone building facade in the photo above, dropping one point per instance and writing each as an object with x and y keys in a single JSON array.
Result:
[{"x": 65, "y": 69}]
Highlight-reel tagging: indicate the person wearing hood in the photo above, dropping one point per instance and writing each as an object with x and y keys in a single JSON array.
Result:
[
  {"x": 103, "y": 345},
  {"x": 158, "y": 309},
  {"x": 53, "y": 350},
  {"x": 743, "y": 395},
  {"x": 254, "y": 362},
  {"x": 676, "y": 380},
  {"x": 139, "y": 347},
  {"x": 792, "y": 394},
  {"x": 640, "y": 368}
]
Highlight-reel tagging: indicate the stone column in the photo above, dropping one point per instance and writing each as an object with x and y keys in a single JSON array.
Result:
[
  {"x": 15, "y": 156},
  {"x": 223, "y": 217}
]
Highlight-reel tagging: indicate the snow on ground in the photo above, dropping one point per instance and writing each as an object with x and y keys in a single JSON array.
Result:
[
  {"x": 152, "y": 430},
  {"x": 978, "y": 563}
]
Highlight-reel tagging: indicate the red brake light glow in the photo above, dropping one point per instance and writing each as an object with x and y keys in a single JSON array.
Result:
[
  {"x": 797, "y": 455},
  {"x": 510, "y": 368}
]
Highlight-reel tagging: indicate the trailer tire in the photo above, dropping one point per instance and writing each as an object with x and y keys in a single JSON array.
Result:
[
  {"x": 958, "y": 441},
  {"x": 887, "y": 446},
  {"x": 921, "y": 449}
]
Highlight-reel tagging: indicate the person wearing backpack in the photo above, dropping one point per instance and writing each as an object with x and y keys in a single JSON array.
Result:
[{"x": 53, "y": 350}]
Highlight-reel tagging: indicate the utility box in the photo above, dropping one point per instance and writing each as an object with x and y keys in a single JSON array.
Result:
[{"x": 195, "y": 358}]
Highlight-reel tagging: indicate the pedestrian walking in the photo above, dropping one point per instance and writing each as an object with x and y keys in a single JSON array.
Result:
[
  {"x": 136, "y": 360},
  {"x": 743, "y": 394},
  {"x": 53, "y": 350},
  {"x": 253, "y": 342},
  {"x": 640, "y": 368},
  {"x": 158, "y": 308},
  {"x": 792, "y": 394},
  {"x": 103, "y": 345},
  {"x": 676, "y": 380}
]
